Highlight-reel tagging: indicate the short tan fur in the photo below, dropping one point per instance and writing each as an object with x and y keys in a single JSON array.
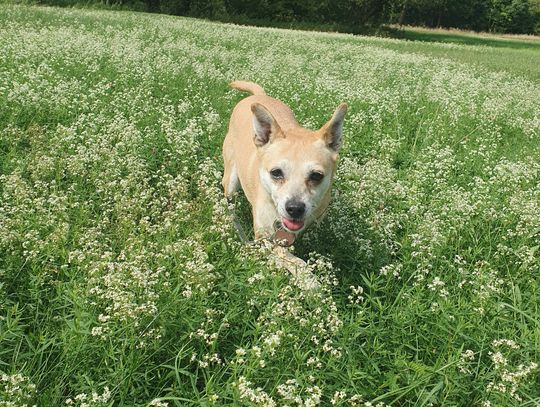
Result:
[{"x": 285, "y": 170}]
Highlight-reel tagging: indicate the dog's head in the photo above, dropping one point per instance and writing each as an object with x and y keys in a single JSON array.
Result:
[{"x": 297, "y": 166}]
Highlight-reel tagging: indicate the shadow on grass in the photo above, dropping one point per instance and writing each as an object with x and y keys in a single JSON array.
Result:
[
  {"x": 463, "y": 39},
  {"x": 352, "y": 246}
]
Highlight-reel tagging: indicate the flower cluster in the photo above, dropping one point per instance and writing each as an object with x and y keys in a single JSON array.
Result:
[
  {"x": 508, "y": 377},
  {"x": 90, "y": 400},
  {"x": 16, "y": 390}
]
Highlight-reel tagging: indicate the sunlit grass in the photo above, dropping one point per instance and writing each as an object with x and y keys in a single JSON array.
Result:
[{"x": 122, "y": 281}]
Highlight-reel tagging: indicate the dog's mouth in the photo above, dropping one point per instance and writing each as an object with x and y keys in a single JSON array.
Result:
[{"x": 293, "y": 225}]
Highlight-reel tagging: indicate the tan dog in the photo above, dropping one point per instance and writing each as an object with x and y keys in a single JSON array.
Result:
[{"x": 285, "y": 170}]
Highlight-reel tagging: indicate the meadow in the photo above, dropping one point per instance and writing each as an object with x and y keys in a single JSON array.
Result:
[{"x": 123, "y": 282}]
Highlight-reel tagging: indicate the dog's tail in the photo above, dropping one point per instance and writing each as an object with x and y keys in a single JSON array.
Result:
[{"x": 250, "y": 87}]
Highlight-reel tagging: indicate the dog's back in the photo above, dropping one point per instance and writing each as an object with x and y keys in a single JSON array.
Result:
[{"x": 279, "y": 110}]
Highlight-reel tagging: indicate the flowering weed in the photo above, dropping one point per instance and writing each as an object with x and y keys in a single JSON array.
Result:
[{"x": 122, "y": 281}]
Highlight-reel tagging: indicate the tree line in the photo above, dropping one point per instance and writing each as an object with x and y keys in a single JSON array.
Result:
[{"x": 502, "y": 16}]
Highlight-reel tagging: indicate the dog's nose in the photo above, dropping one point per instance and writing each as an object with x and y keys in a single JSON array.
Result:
[{"x": 295, "y": 208}]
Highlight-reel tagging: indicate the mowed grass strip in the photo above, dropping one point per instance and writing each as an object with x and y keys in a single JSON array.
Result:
[
  {"x": 122, "y": 281},
  {"x": 517, "y": 54}
]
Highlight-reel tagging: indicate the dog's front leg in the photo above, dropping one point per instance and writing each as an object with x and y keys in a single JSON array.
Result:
[
  {"x": 297, "y": 267},
  {"x": 264, "y": 216}
]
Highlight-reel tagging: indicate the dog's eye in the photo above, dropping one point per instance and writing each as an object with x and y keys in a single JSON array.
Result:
[
  {"x": 276, "y": 173},
  {"x": 316, "y": 176}
]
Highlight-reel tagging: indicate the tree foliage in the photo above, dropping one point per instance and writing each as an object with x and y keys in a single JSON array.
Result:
[
  {"x": 505, "y": 16},
  {"x": 512, "y": 16}
]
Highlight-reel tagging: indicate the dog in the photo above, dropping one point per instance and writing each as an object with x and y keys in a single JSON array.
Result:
[{"x": 285, "y": 170}]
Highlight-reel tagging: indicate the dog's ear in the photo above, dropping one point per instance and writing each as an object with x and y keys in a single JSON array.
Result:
[
  {"x": 264, "y": 125},
  {"x": 333, "y": 130}
]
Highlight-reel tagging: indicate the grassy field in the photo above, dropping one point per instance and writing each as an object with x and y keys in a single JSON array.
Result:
[{"x": 122, "y": 281}]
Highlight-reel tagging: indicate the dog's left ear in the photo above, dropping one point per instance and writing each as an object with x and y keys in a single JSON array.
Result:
[{"x": 333, "y": 130}]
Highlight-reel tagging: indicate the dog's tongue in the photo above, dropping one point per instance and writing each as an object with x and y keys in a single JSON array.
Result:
[{"x": 293, "y": 224}]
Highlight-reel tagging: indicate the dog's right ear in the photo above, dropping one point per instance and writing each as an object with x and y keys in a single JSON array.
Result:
[{"x": 264, "y": 125}]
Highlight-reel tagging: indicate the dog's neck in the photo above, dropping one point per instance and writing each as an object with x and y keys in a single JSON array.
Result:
[{"x": 283, "y": 237}]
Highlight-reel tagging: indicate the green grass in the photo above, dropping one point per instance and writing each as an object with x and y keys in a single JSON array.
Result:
[{"x": 122, "y": 281}]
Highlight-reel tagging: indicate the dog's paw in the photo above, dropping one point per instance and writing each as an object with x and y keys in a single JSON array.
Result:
[{"x": 302, "y": 277}]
